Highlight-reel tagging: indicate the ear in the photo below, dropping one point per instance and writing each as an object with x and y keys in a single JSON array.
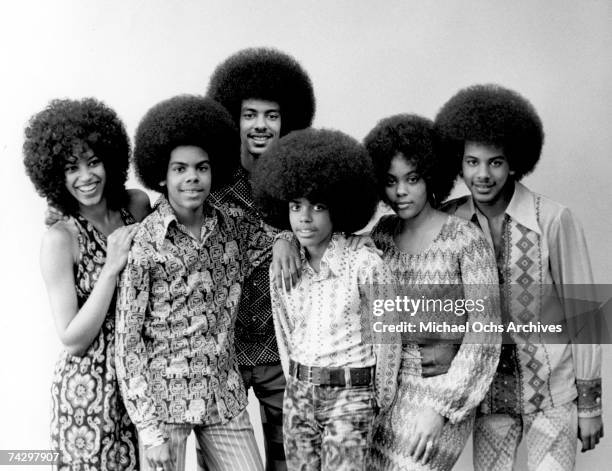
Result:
[{"x": 162, "y": 183}]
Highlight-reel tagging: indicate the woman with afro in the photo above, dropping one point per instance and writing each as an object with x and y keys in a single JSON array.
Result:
[
  {"x": 548, "y": 394},
  {"x": 435, "y": 385},
  {"x": 321, "y": 185},
  {"x": 180, "y": 292},
  {"x": 77, "y": 155}
]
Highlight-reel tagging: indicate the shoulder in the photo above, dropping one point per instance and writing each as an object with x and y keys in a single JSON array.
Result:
[
  {"x": 61, "y": 240},
  {"x": 464, "y": 233},
  {"x": 383, "y": 229},
  {"x": 452, "y": 205},
  {"x": 139, "y": 204}
]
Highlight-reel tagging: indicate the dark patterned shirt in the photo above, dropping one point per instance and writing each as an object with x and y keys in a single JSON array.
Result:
[
  {"x": 175, "y": 318},
  {"x": 255, "y": 339}
]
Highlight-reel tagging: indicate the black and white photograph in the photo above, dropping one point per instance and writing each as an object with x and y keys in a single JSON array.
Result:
[{"x": 225, "y": 223}]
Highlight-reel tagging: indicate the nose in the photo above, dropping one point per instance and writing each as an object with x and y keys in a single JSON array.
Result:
[
  {"x": 260, "y": 122},
  {"x": 84, "y": 172},
  {"x": 401, "y": 189},
  {"x": 306, "y": 214},
  {"x": 191, "y": 175},
  {"x": 482, "y": 172}
]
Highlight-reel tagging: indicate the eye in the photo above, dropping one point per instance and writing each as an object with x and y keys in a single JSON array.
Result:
[
  {"x": 497, "y": 163},
  {"x": 389, "y": 181},
  {"x": 273, "y": 116},
  {"x": 94, "y": 161},
  {"x": 414, "y": 179},
  {"x": 70, "y": 168},
  {"x": 248, "y": 115},
  {"x": 470, "y": 162},
  {"x": 294, "y": 207},
  {"x": 320, "y": 207},
  {"x": 204, "y": 168},
  {"x": 178, "y": 169}
]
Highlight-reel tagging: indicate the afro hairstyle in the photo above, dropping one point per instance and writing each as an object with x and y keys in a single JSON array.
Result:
[
  {"x": 63, "y": 132},
  {"x": 185, "y": 120},
  {"x": 413, "y": 137},
  {"x": 494, "y": 115},
  {"x": 265, "y": 74},
  {"x": 323, "y": 166}
]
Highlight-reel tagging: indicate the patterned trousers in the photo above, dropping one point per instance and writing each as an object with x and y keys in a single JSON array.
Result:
[
  {"x": 327, "y": 428},
  {"x": 550, "y": 436},
  {"x": 222, "y": 447}
]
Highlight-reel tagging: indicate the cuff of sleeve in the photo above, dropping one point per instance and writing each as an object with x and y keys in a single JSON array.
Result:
[
  {"x": 285, "y": 235},
  {"x": 451, "y": 414},
  {"x": 151, "y": 436},
  {"x": 589, "y": 397}
]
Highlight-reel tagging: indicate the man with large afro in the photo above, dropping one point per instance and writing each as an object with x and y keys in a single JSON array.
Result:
[
  {"x": 180, "y": 290},
  {"x": 268, "y": 94},
  {"x": 493, "y": 137},
  {"x": 321, "y": 184}
]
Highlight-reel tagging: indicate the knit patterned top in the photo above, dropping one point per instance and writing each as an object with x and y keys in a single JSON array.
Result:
[{"x": 459, "y": 255}]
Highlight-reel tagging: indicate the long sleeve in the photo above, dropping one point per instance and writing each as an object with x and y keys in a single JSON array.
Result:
[
  {"x": 571, "y": 272},
  {"x": 255, "y": 236},
  {"x": 458, "y": 391},
  {"x": 282, "y": 325},
  {"x": 131, "y": 352}
]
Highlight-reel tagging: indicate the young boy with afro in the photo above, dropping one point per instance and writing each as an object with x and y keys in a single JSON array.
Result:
[
  {"x": 268, "y": 95},
  {"x": 548, "y": 393},
  {"x": 180, "y": 290},
  {"x": 321, "y": 185}
]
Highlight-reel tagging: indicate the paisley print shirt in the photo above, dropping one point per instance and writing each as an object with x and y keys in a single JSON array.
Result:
[{"x": 175, "y": 318}]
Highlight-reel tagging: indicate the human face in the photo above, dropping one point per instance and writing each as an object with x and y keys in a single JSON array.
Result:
[
  {"x": 188, "y": 179},
  {"x": 311, "y": 224},
  {"x": 486, "y": 172},
  {"x": 405, "y": 189},
  {"x": 85, "y": 178},
  {"x": 260, "y": 125}
]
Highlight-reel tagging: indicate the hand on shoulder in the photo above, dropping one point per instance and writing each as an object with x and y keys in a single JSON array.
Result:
[{"x": 139, "y": 204}]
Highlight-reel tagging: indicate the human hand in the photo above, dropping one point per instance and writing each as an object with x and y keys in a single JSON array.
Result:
[
  {"x": 590, "y": 430},
  {"x": 286, "y": 264},
  {"x": 118, "y": 246},
  {"x": 53, "y": 215},
  {"x": 355, "y": 242},
  {"x": 160, "y": 457},
  {"x": 425, "y": 431}
]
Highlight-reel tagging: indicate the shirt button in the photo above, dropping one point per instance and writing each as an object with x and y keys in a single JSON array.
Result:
[{"x": 253, "y": 319}]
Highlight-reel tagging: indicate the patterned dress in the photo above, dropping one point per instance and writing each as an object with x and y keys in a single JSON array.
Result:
[
  {"x": 459, "y": 255},
  {"x": 90, "y": 427}
]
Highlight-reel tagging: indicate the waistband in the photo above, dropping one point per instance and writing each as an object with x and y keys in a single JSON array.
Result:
[{"x": 341, "y": 377}]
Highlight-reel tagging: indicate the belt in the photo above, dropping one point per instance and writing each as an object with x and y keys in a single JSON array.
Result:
[{"x": 331, "y": 376}]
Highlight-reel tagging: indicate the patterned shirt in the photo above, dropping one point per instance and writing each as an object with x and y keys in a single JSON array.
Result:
[
  {"x": 255, "y": 339},
  {"x": 542, "y": 245},
  {"x": 318, "y": 322},
  {"x": 175, "y": 318}
]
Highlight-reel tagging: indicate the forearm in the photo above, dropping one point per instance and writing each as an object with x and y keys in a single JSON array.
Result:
[{"x": 85, "y": 326}]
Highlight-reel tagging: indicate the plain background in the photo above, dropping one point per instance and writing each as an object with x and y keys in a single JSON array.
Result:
[{"x": 367, "y": 60}]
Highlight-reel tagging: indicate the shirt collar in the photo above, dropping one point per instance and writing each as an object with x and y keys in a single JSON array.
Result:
[
  {"x": 331, "y": 262},
  {"x": 167, "y": 216},
  {"x": 521, "y": 208}
]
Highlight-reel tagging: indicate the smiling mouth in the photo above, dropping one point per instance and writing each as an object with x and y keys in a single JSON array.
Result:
[
  {"x": 305, "y": 232},
  {"x": 483, "y": 188},
  {"x": 192, "y": 191},
  {"x": 87, "y": 189},
  {"x": 403, "y": 205}
]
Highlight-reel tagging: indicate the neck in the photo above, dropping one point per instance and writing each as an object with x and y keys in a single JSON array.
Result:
[
  {"x": 99, "y": 213},
  {"x": 498, "y": 206},
  {"x": 417, "y": 222},
  {"x": 247, "y": 160},
  {"x": 191, "y": 219},
  {"x": 314, "y": 254}
]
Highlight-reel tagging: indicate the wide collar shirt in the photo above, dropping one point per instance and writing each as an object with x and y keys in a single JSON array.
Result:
[
  {"x": 176, "y": 310},
  {"x": 542, "y": 246}
]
